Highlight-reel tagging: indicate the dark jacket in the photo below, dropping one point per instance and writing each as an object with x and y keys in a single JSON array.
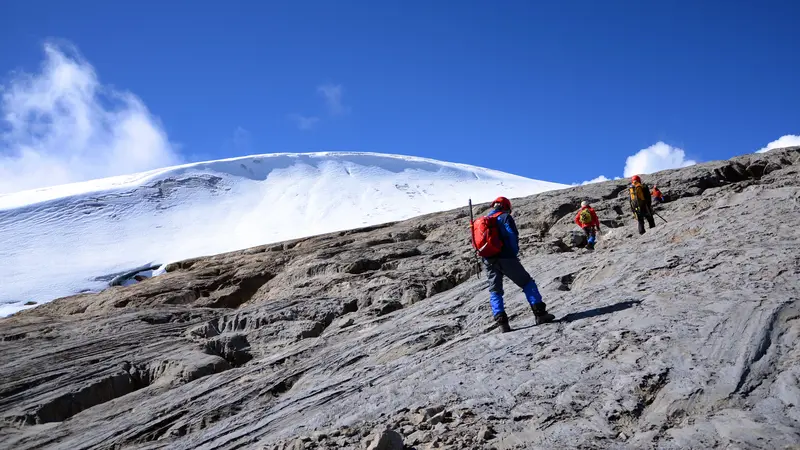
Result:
[
  {"x": 641, "y": 202},
  {"x": 508, "y": 233}
]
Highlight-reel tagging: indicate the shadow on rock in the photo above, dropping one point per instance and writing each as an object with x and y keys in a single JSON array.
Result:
[{"x": 616, "y": 307}]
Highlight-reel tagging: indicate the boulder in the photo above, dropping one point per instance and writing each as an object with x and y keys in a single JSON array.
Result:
[{"x": 386, "y": 440}]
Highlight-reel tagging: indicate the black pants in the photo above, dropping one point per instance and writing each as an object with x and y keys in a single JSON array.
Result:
[
  {"x": 510, "y": 267},
  {"x": 650, "y": 221}
]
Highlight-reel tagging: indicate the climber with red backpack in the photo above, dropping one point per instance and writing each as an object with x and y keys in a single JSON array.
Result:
[{"x": 496, "y": 239}]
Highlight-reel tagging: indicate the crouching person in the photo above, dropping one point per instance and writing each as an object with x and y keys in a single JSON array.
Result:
[
  {"x": 497, "y": 236},
  {"x": 657, "y": 196}
]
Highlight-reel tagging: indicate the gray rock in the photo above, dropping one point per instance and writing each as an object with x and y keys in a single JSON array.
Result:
[
  {"x": 485, "y": 434},
  {"x": 345, "y": 322},
  {"x": 319, "y": 437},
  {"x": 573, "y": 239},
  {"x": 684, "y": 337},
  {"x": 387, "y": 440},
  {"x": 432, "y": 411},
  {"x": 465, "y": 413},
  {"x": 418, "y": 437},
  {"x": 416, "y": 419},
  {"x": 437, "y": 418}
]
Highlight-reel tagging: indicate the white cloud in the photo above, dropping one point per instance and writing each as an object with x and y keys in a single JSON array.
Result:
[
  {"x": 659, "y": 156},
  {"x": 304, "y": 122},
  {"x": 599, "y": 179},
  {"x": 61, "y": 125},
  {"x": 333, "y": 97},
  {"x": 789, "y": 140}
]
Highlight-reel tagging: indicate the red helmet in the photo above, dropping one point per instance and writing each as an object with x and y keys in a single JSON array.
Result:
[
  {"x": 636, "y": 179},
  {"x": 504, "y": 203}
]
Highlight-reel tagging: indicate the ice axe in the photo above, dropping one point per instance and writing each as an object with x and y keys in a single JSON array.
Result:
[{"x": 472, "y": 237}]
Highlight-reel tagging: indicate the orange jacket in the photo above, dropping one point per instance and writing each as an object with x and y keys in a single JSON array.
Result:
[
  {"x": 595, "y": 221},
  {"x": 656, "y": 193}
]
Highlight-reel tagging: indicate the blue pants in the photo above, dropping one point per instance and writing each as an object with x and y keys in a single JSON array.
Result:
[
  {"x": 591, "y": 235},
  {"x": 496, "y": 268}
]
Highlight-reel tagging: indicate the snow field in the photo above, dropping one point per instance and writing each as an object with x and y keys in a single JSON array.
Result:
[{"x": 76, "y": 238}]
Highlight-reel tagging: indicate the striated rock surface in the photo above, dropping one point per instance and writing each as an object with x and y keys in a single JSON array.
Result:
[{"x": 685, "y": 337}]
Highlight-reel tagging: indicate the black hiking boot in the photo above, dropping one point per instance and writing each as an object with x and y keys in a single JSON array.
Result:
[
  {"x": 502, "y": 320},
  {"x": 541, "y": 314}
]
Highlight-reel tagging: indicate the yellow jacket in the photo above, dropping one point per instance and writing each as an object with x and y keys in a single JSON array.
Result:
[{"x": 640, "y": 198}]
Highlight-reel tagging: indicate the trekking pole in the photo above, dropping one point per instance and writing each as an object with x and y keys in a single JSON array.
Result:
[
  {"x": 659, "y": 216},
  {"x": 472, "y": 237}
]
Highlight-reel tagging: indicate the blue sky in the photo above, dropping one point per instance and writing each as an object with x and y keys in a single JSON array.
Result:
[{"x": 560, "y": 91}]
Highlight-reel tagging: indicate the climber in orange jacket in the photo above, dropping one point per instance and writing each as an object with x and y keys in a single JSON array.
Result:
[
  {"x": 588, "y": 221},
  {"x": 657, "y": 196}
]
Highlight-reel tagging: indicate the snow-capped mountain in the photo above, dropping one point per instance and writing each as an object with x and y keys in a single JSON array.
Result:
[{"x": 72, "y": 238}]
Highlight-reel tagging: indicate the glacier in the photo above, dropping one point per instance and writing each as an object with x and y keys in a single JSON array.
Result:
[{"x": 79, "y": 237}]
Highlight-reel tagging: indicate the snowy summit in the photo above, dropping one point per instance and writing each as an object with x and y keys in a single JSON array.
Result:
[{"x": 80, "y": 237}]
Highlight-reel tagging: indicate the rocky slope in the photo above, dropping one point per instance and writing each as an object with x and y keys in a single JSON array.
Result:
[{"x": 684, "y": 337}]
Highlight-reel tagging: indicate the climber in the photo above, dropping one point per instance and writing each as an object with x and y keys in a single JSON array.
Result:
[
  {"x": 506, "y": 263},
  {"x": 641, "y": 203},
  {"x": 657, "y": 196},
  {"x": 588, "y": 221}
]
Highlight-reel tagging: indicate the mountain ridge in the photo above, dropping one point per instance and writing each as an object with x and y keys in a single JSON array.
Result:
[
  {"x": 129, "y": 180},
  {"x": 684, "y": 337}
]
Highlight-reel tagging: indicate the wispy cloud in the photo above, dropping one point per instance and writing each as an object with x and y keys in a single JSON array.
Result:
[
  {"x": 62, "y": 125},
  {"x": 332, "y": 94},
  {"x": 789, "y": 140},
  {"x": 239, "y": 143},
  {"x": 304, "y": 122},
  {"x": 333, "y": 98},
  {"x": 659, "y": 156}
]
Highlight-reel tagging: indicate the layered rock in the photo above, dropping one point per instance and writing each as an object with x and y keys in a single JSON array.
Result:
[{"x": 680, "y": 338}]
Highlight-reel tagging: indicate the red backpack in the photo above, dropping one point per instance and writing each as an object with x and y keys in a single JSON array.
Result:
[{"x": 486, "y": 236}]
